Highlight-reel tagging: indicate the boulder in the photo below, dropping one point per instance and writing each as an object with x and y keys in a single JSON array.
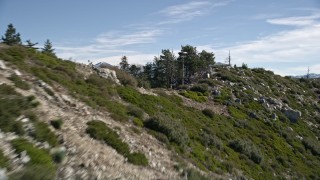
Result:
[
  {"x": 216, "y": 92},
  {"x": 262, "y": 100},
  {"x": 3, "y": 175},
  {"x": 2, "y": 65},
  {"x": 24, "y": 158},
  {"x": 273, "y": 116},
  {"x": 292, "y": 115},
  {"x": 108, "y": 74},
  {"x": 253, "y": 115}
]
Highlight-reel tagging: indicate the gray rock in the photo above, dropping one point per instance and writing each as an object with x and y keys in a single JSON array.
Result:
[
  {"x": 2, "y": 65},
  {"x": 216, "y": 92},
  {"x": 253, "y": 115},
  {"x": 292, "y": 115},
  {"x": 273, "y": 116},
  {"x": 3, "y": 175},
  {"x": 262, "y": 100},
  {"x": 24, "y": 158}
]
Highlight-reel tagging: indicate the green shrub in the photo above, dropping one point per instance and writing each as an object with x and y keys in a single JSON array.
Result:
[
  {"x": 196, "y": 96},
  {"x": 208, "y": 112},
  {"x": 236, "y": 113},
  {"x": 137, "y": 158},
  {"x": 135, "y": 111},
  {"x": 125, "y": 78},
  {"x": 3, "y": 160},
  {"x": 58, "y": 156},
  {"x": 207, "y": 138},
  {"x": 56, "y": 123},
  {"x": 173, "y": 129},
  {"x": 195, "y": 175},
  {"x": 138, "y": 122},
  {"x": 247, "y": 149},
  {"x": 12, "y": 105},
  {"x": 42, "y": 133},
  {"x": 18, "y": 82},
  {"x": 203, "y": 88},
  {"x": 34, "y": 172},
  {"x": 49, "y": 91},
  {"x": 37, "y": 156},
  {"x": 98, "y": 130},
  {"x": 313, "y": 145},
  {"x": 210, "y": 82}
]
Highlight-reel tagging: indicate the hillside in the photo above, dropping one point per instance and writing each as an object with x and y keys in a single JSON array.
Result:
[{"x": 74, "y": 121}]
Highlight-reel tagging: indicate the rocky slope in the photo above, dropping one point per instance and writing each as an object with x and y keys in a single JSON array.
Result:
[{"x": 239, "y": 124}]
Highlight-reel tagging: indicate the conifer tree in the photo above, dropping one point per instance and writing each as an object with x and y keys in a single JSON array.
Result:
[
  {"x": 47, "y": 48},
  {"x": 11, "y": 37},
  {"x": 124, "y": 65},
  {"x": 31, "y": 44}
]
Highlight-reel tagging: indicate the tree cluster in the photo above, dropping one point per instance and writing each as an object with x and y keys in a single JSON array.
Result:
[
  {"x": 11, "y": 38},
  {"x": 169, "y": 70}
]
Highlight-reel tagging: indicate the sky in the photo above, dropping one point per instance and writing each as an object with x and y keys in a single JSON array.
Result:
[{"x": 278, "y": 35}]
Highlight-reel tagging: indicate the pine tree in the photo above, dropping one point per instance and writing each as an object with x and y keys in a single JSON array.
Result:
[
  {"x": 30, "y": 44},
  {"x": 11, "y": 37},
  {"x": 47, "y": 49},
  {"x": 124, "y": 65}
]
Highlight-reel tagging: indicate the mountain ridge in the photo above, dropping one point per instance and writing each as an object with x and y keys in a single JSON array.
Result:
[{"x": 240, "y": 123}]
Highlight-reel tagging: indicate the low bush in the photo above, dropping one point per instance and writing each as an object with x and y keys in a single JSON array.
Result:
[
  {"x": 12, "y": 105},
  {"x": 49, "y": 91},
  {"x": 137, "y": 158},
  {"x": 34, "y": 172},
  {"x": 100, "y": 131},
  {"x": 138, "y": 122},
  {"x": 125, "y": 78},
  {"x": 19, "y": 83},
  {"x": 210, "y": 82},
  {"x": 3, "y": 160},
  {"x": 208, "y": 112},
  {"x": 196, "y": 96},
  {"x": 56, "y": 123},
  {"x": 203, "y": 88},
  {"x": 42, "y": 133},
  {"x": 194, "y": 175},
  {"x": 236, "y": 113},
  {"x": 37, "y": 156},
  {"x": 135, "y": 111},
  {"x": 313, "y": 145},
  {"x": 58, "y": 156},
  {"x": 173, "y": 129},
  {"x": 247, "y": 149}
]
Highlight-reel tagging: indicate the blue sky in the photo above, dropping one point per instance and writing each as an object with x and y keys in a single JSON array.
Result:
[{"x": 279, "y": 35}]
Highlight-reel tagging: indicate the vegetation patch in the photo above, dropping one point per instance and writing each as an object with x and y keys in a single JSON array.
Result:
[
  {"x": 12, "y": 105},
  {"x": 100, "y": 131},
  {"x": 3, "y": 160},
  {"x": 39, "y": 159},
  {"x": 196, "y": 96},
  {"x": 247, "y": 149},
  {"x": 19, "y": 83},
  {"x": 56, "y": 123},
  {"x": 172, "y": 129},
  {"x": 42, "y": 133}
]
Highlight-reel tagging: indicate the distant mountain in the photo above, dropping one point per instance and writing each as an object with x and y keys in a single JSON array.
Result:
[{"x": 312, "y": 75}]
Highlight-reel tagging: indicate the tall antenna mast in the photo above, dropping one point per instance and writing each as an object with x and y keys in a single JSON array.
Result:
[
  {"x": 308, "y": 74},
  {"x": 228, "y": 59}
]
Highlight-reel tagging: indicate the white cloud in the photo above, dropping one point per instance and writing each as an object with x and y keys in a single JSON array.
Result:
[
  {"x": 132, "y": 59},
  {"x": 295, "y": 21},
  {"x": 287, "y": 53},
  {"x": 188, "y": 11},
  {"x": 108, "y": 44},
  {"x": 112, "y": 39}
]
